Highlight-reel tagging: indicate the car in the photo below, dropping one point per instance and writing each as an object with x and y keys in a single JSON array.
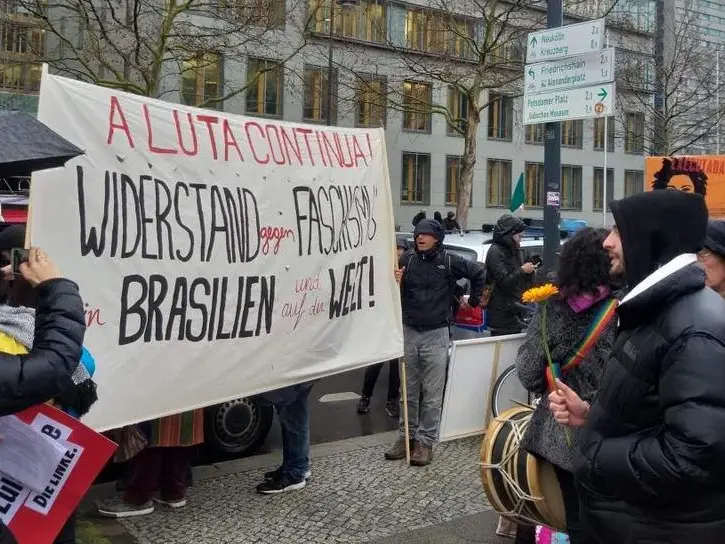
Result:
[{"x": 237, "y": 428}]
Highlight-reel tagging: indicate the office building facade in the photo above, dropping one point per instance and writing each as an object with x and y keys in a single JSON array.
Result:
[{"x": 424, "y": 152}]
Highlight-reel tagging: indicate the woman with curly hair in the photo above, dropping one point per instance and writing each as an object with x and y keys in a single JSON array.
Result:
[{"x": 585, "y": 303}]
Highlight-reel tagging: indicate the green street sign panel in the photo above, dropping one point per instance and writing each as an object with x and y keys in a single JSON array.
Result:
[
  {"x": 581, "y": 71},
  {"x": 565, "y": 41},
  {"x": 570, "y": 104}
]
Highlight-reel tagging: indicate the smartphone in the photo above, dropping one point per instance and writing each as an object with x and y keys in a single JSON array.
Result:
[{"x": 18, "y": 256}]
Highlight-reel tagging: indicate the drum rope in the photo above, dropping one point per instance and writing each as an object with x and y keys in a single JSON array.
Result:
[{"x": 518, "y": 427}]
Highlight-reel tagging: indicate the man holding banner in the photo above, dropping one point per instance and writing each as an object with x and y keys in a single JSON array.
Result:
[{"x": 427, "y": 277}]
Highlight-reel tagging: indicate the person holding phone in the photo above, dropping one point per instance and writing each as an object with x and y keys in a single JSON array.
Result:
[
  {"x": 507, "y": 276},
  {"x": 52, "y": 345},
  {"x": 46, "y": 370}
]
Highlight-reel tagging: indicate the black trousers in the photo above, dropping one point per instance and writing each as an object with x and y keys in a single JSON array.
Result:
[
  {"x": 371, "y": 377},
  {"x": 577, "y": 534}
]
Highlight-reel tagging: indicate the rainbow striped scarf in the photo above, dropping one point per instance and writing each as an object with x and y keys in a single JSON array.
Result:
[{"x": 594, "y": 331}]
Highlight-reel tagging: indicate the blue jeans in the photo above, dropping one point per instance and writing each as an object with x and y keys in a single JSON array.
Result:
[
  {"x": 426, "y": 360},
  {"x": 294, "y": 419}
]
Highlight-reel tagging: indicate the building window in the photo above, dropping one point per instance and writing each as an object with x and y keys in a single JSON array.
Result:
[
  {"x": 316, "y": 106},
  {"x": 20, "y": 77},
  {"x": 571, "y": 134},
  {"x": 264, "y": 87},
  {"x": 415, "y": 188},
  {"x": 633, "y": 182},
  {"x": 534, "y": 184},
  {"x": 599, "y": 134},
  {"x": 571, "y": 187},
  {"x": 371, "y": 103},
  {"x": 263, "y": 13},
  {"x": 499, "y": 184},
  {"x": 500, "y": 117},
  {"x": 458, "y": 111},
  {"x": 201, "y": 80},
  {"x": 425, "y": 30},
  {"x": 454, "y": 167},
  {"x": 461, "y": 37},
  {"x": 21, "y": 39},
  {"x": 417, "y": 106},
  {"x": 364, "y": 21},
  {"x": 599, "y": 187},
  {"x": 534, "y": 134},
  {"x": 438, "y": 33},
  {"x": 634, "y": 133}
]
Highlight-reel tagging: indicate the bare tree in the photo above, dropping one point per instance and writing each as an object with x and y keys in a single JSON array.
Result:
[
  {"x": 474, "y": 49},
  {"x": 684, "y": 114},
  {"x": 144, "y": 46}
]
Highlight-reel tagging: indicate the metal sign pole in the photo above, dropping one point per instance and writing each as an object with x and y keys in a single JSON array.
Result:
[
  {"x": 552, "y": 162},
  {"x": 606, "y": 152}
]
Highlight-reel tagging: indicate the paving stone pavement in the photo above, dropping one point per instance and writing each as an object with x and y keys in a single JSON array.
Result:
[{"x": 353, "y": 496}]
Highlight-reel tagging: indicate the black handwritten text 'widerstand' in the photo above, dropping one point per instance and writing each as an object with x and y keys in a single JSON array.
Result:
[{"x": 226, "y": 218}]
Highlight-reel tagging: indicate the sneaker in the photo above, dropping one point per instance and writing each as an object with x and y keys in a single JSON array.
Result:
[
  {"x": 118, "y": 508},
  {"x": 281, "y": 485},
  {"x": 276, "y": 474},
  {"x": 392, "y": 408},
  {"x": 363, "y": 405},
  {"x": 422, "y": 455},
  {"x": 397, "y": 450},
  {"x": 179, "y": 503}
]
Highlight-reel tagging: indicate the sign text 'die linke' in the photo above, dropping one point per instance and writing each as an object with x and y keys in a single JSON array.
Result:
[{"x": 147, "y": 216}]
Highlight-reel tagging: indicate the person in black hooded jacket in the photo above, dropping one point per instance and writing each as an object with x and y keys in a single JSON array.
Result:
[
  {"x": 507, "y": 275},
  {"x": 427, "y": 277},
  {"x": 651, "y": 467}
]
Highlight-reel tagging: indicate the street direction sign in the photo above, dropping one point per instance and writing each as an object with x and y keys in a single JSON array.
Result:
[
  {"x": 569, "y": 104},
  {"x": 565, "y": 41},
  {"x": 581, "y": 71}
]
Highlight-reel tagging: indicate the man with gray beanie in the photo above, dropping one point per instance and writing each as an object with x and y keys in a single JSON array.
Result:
[{"x": 427, "y": 278}]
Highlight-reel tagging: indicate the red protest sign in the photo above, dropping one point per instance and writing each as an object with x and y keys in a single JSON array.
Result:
[{"x": 37, "y": 518}]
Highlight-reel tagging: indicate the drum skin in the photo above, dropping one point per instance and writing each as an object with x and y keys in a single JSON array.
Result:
[{"x": 536, "y": 477}]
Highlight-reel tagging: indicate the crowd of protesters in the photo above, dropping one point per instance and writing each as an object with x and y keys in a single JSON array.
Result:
[{"x": 634, "y": 430}]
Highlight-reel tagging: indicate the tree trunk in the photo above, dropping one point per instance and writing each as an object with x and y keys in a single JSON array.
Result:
[{"x": 468, "y": 162}]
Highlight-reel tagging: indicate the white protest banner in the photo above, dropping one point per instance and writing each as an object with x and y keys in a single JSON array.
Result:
[{"x": 218, "y": 255}]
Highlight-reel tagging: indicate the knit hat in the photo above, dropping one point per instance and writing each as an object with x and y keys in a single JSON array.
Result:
[
  {"x": 430, "y": 226},
  {"x": 715, "y": 239}
]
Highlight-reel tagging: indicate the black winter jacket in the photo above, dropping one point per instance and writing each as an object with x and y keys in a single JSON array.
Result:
[
  {"x": 654, "y": 446},
  {"x": 428, "y": 288},
  {"x": 652, "y": 468},
  {"x": 503, "y": 270},
  {"x": 45, "y": 372}
]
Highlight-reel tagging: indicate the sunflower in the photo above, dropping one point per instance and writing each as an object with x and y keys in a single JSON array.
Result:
[{"x": 540, "y": 294}]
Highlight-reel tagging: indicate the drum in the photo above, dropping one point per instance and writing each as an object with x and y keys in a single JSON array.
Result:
[{"x": 517, "y": 484}]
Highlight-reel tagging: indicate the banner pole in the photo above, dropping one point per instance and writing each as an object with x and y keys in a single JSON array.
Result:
[
  {"x": 404, "y": 394},
  {"x": 492, "y": 384}
]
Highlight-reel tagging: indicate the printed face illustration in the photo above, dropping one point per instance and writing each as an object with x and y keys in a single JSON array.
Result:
[
  {"x": 682, "y": 183},
  {"x": 681, "y": 175}
]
